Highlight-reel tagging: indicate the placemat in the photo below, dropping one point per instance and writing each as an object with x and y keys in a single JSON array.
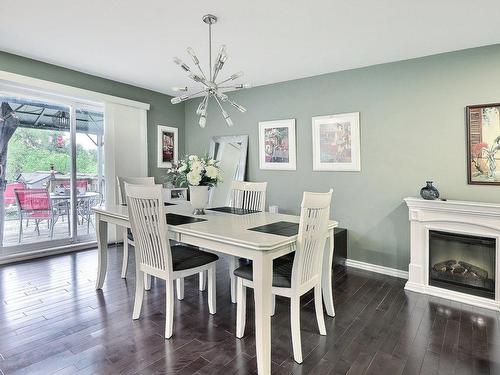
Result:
[
  {"x": 281, "y": 228},
  {"x": 175, "y": 219},
  {"x": 233, "y": 210}
]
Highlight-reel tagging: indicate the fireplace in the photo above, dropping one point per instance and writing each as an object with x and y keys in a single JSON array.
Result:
[
  {"x": 462, "y": 263},
  {"x": 455, "y": 250}
]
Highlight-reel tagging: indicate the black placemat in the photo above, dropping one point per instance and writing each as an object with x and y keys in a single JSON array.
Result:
[
  {"x": 233, "y": 210},
  {"x": 174, "y": 219},
  {"x": 281, "y": 228}
]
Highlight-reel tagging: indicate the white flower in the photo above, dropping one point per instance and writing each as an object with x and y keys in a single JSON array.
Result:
[
  {"x": 193, "y": 157},
  {"x": 194, "y": 178},
  {"x": 196, "y": 166},
  {"x": 211, "y": 172},
  {"x": 211, "y": 162},
  {"x": 182, "y": 168}
]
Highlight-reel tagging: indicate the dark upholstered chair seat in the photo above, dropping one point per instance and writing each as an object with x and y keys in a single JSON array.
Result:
[
  {"x": 185, "y": 257},
  {"x": 282, "y": 271}
]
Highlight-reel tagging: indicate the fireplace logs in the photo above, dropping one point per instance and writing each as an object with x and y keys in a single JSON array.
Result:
[{"x": 460, "y": 272}]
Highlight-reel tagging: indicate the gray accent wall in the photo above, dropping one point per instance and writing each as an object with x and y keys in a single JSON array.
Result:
[
  {"x": 412, "y": 116},
  {"x": 162, "y": 112}
]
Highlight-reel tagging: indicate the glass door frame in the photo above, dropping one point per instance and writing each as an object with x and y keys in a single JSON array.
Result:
[{"x": 73, "y": 105}]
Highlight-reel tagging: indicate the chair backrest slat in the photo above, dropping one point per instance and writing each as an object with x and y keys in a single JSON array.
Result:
[
  {"x": 311, "y": 239},
  {"x": 121, "y": 181},
  {"x": 248, "y": 195},
  {"x": 149, "y": 226}
]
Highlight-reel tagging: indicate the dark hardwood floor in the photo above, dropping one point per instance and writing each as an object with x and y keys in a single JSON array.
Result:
[{"x": 53, "y": 321}]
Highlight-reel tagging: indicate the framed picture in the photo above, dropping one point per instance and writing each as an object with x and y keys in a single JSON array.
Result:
[
  {"x": 336, "y": 142},
  {"x": 483, "y": 144},
  {"x": 277, "y": 145},
  {"x": 167, "y": 146}
]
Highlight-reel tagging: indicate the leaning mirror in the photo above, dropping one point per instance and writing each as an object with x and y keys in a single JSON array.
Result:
[{"x": 231, "y": 152}]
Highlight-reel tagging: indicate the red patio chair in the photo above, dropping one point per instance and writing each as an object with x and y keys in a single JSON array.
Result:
[
  {"x": 8, "y": 196},
  {"x": 35, "y": 204}
]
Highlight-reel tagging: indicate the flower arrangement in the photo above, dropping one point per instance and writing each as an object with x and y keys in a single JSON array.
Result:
[{"x": 194, "y": 170}]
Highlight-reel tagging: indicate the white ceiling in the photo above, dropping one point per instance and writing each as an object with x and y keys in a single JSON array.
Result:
[{"x": 270, "y": 40}]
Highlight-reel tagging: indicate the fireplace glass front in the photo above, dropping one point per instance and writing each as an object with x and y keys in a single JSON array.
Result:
[{"x": 462, "y": 263}]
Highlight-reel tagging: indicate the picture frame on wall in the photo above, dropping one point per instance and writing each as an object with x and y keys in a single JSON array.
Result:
[
  {"x": 277, "y": 148},
  {"x": 168, "y": 145},
  {"x": 483, "y": 144},
  {"x": 336, "y": 142}
]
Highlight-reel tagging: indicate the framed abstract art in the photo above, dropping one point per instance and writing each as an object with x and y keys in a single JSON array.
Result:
[
  {"x": 336, "y": 142},
  {"x": 167, "y": 146},
  {"x": 277, "y": 145},
  {"x": 483, "y": 144}
]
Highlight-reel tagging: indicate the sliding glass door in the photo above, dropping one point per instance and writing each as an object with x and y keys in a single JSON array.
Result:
[{"x": 51, "y": 164}]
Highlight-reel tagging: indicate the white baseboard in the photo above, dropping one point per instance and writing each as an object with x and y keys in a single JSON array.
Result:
[{"x": 376, "y": 268}]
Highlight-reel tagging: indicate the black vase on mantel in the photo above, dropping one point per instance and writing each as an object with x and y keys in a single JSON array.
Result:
[{"x": 429, "y": 192}]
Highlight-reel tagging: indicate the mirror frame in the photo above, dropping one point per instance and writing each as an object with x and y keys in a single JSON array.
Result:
[{"x": 243, "y": 139}]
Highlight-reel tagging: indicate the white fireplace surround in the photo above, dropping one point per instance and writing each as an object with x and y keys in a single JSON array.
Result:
[{"x": 462, "y": 217}]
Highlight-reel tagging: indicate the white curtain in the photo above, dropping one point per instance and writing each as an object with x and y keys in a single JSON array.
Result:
[{"x": 125, "y": 148}]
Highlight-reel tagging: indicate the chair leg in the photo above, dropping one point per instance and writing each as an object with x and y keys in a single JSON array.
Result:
[
  {"x": 125, "y": 254},
  {"x": 241, "y": 308},
  {"x": 180, "y": 288},
  {"x": 295, "y": 324},
  {"x": 52, "y": 224},
  {"x": 273, "y": 305},
  {"x": 21, "y": 229},
  {"x": 318, "y": 306},
  {"x": 147, "y": 281},
  {"x": 203, "y": 281},
  {"x": 139, "y": 292},
  {"x": 212, "y": 307},
  {"x": 169, "y": 311},
  {"x": 232, "y": 266}
]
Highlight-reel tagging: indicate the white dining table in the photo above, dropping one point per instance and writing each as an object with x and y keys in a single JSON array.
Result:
[{"x": 229, "y": 234}]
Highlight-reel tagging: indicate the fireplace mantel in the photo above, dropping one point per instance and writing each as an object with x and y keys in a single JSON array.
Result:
[{"x": 462, "y": 217}]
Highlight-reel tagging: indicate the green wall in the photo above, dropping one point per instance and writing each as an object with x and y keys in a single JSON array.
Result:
[
  {"x": 162, "y": 112},
  {"x": 412, "y": 130}
]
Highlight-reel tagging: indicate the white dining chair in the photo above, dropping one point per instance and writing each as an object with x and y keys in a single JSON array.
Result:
[
  {"x": 155, "y": 255},
  {"x": 128, "y": 239},
  {"x": 246, "y": 195},
  {"x": 297, "y": 273}
]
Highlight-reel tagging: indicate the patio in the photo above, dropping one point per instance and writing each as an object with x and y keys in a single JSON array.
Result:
[{"x": 30, "y": 235}]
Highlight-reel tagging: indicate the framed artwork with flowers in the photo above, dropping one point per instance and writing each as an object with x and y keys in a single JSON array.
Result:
[
  {"x": 277, "y": 145},
  {"x": 336, "y": 142},
  {"x": 167, "y": 146},
  {"x": 483, "y": 144}
]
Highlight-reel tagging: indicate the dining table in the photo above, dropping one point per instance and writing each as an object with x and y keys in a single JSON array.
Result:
[{"x": 238, "y": 234}]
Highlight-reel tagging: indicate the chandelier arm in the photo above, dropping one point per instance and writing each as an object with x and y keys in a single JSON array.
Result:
[
  {"x": 224, "y": 113},
  {"x": 231, "y": 78},
  {"x": 201, "y": 71}
]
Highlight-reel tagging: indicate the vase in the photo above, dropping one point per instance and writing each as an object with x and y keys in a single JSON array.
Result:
[
  {"x": 198, "y": 196},
  {"x": 429, "y": 192}
]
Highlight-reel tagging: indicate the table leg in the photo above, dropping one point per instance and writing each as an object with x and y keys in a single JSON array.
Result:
[
  {"x": 262, "y": 280},
  {"x": 326, "y": 275},
  {"x": 102, "y": 250}
]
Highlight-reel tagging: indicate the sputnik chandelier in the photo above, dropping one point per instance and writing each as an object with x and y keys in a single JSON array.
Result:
[{"x": 210, "y": 87}]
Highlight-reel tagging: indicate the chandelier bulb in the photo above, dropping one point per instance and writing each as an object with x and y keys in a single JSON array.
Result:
[
  {"x": 182, "y": 64},
  {"x": 229, "y": 121},
  {"x": 203, "y": 121},
  {"x": 236, "y": 76},
  {"x": 180, "y": 88},
  {"x": 193, "y": 55}
]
